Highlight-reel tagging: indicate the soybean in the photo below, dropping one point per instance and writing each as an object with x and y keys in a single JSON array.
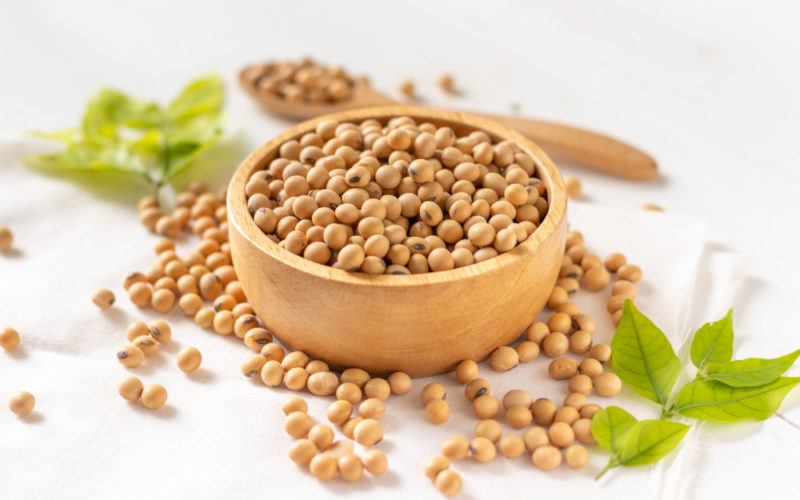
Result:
[
  {"x": 546, "y": 457},
  {"x": 372, "y": 408},
  {"x": 154, "y": 396},
  {"x": 562, "y": 368},
  {"x": 432, "y": 392},
  {"x": 576, "y": 456},
  {"x": 437, "y": 411},
  {"x": 323, "y": 467},
  {"x": 455, "y": 447},
  {"x": 482, "y": 449},
  {"x": 504, "y": 358},
  {"x": 399, "y": 383},
  {"x": 130, "y": 356},
  {"x": 349, "y": 391},
  {"x": 485, "y": 407},
  {"x": 339, "y": 412},
  {"x": 189, "y": 359},
  {"x": 607, "y": 384},
  {"x": 322, "y": 383},
  {"x": 295, "y": 403},
  {"x": 436, "y": 465},
  {"x": 466, "y": 371},
  {"x": 350, "y": 467},
  {"x": 22, "y": 403},
  {"x": 448, "y": 482},
  {"x": 272, "y": 373},
  {"x": 131, "y": 389},
  {"x": 375, "y": 462},
  {"x": 302, "y": 451},
  {"x": 297, "y": 424},
  {"x": 321, "y": 435},
  {"x": 535, "y": 437},
  {"x": 9, "y": 338},
  {"x": 6, "y": 239},
  {"x": 488, "y": 428},
  {"x": 103, "y": 298},
  {"x": 511, "y": 446}
]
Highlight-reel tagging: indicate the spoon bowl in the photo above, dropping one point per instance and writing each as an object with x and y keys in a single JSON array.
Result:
[{"x": 362, "y": 95}]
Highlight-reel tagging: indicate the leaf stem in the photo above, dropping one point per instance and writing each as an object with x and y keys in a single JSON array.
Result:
[
  {"x": 612, "y": 462},
  {"x": 167, "y": 160},
  {"x": 157, "y": 185}
]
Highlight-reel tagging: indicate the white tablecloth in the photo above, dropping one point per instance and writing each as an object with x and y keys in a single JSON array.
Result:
[{"x": 663, "y": 79}]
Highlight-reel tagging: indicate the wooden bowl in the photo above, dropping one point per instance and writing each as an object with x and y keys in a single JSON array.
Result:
[{"x": 420, "y": 324}]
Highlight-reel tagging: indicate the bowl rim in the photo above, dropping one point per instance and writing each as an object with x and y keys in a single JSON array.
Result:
[{"x": 242, "y": 221}]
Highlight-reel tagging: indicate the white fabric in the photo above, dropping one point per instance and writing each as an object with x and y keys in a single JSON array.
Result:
[
  {"x": 680, "y": 83},
  {"x": 220, "y": 432}
]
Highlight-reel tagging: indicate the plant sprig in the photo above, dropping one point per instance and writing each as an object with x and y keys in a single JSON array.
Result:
[
  {"x": 121, "y": 134},
  {"x": 723, "y": 390}
]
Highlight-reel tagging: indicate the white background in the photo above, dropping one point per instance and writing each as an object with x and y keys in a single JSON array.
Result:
[{"x": 709, "y": 88}]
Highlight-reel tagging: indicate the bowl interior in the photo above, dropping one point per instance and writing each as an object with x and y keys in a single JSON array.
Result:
[{"x": 461, "y": 123}]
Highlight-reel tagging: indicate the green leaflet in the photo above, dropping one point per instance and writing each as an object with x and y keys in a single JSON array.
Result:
[
  {"x": 642, "y": 356},
  {"x": 632, "y": 442},
  {"x": 66, "y": 136},
  {"x": 750, "y": 372},
  {"x": 711, "y": 400},
  {"x": 123, "y": 134},
  {"x": 713, "y": 342},
  {"x": 204, "y": 96},
  {"x": 610, "y": 426},
  {"x": 193, "y": 124},
  {"x": 188, "y": 139},
  {"x": 650, "y": 441},
  {"x": 92, "y": 157},
  {"x": 148, "y": 145}
]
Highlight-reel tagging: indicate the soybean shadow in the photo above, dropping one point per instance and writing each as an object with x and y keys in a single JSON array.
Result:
[
  {"x": 166, "y": 412},
  {"x": 12, "y": 254},
  {"x": 32, "y": 418},
  {"x": 18, "y": 353},
  {"x": 202, "y": 376},
  {"x": 339, "y": 486}
]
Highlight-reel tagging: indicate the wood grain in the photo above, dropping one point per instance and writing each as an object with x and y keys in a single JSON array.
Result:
[
  {"x": 591, "y": 149},
  {"x": 420, "y": 324}
]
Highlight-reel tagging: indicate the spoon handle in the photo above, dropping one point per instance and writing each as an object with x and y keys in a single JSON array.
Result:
[{"x": 585, "y": 147}]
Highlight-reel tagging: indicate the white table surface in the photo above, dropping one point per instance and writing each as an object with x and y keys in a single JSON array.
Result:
[{"x": 709, "y": 88}]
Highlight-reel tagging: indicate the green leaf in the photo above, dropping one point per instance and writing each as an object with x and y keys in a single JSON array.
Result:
[
  {"x": 203, "y": 96},
  {"x": 183, "y": 149},
  {"x": 713, "y": 342},
  {"x": 750, "y": 372},
  {"x": 650, "y": 441},
  {"x": 65, "y": 136},
  {"x": 110, "y": 111},
  {"x": 193, "y": 124},
  {"x": 610, "y": 427},
  {"x": 642, "y": 356},
  {"x": 184, "y": 157},
  {"x": 90, "y": 158},
  {"x": 711, "y": 400},
  {"x": 148, "y": 145},
  {"x": 128, "y": 135}
]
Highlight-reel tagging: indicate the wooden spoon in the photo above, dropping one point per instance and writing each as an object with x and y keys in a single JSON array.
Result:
[{"x": 588, "y": 148}]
